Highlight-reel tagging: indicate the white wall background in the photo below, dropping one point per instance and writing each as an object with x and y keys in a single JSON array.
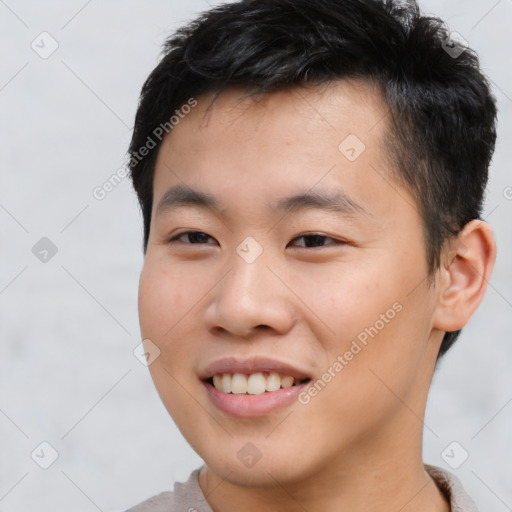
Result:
[{"x": 68, "y": 327}]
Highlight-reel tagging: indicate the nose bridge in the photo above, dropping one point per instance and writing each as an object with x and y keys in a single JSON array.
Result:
[
  {"x": 250, "y": 295},
  {"x": 249, "y": 274}
]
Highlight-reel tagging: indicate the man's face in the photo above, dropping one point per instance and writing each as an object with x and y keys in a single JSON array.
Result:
[{"x": 338, "y": 295}]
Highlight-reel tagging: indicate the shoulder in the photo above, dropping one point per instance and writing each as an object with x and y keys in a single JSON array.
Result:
[
  {"x": 452, "y": 488},
  {"x": 186, "y": 496},
  {"x": 162, "y": 502}
]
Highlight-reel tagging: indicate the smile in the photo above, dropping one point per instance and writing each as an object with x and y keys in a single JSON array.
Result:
[
  {"x": 253, "y": 384},
  {"x": 249, "y": 388}
]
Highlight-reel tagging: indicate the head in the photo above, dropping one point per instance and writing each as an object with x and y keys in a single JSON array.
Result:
[{"x": 355, "y": 102}]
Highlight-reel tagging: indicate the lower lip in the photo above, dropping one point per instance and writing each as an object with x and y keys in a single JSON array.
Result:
[{"x": 251, "y": 406}]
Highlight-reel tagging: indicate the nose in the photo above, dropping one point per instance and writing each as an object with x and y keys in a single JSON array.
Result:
[{"x": 252, "y": 296}]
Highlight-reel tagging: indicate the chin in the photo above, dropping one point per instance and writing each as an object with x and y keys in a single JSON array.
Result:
[
  {"x": 265, "y": 472},
  {"x": 260, "y": 475}
]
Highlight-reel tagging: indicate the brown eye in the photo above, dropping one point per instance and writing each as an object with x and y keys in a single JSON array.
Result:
[
  {"x": 194, "y": 237},
  {"x": 314, "y": 240}
]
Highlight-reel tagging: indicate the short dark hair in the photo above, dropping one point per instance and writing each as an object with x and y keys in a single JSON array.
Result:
[{"x": 443, "y": 113}]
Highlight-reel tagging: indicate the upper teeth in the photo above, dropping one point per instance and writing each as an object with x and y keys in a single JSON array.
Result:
[{"x": 254, "y": 384}]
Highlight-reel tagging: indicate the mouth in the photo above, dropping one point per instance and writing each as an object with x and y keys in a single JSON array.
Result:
[
  {"x": 254, "y": 387},
  {"x": 254, "y": 383}
]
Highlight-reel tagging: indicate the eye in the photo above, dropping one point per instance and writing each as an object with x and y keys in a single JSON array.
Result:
[
  {"x": 197, "y": 237},
  {"x": 314, "y": 240}
]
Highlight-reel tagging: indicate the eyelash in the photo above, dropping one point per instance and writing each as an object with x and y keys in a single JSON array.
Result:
[{"x": 306, "y": 235}]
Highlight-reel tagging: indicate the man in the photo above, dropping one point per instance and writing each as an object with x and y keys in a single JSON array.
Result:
[{"x": 311, "y": 177}]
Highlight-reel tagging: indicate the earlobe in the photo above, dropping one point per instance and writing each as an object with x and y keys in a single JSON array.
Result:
[{"x": 464, "y": 275}]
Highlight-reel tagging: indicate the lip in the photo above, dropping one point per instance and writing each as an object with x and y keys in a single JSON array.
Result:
[
  {"x": 253, "y": 365},
  {"x": 251, "y": 406}
]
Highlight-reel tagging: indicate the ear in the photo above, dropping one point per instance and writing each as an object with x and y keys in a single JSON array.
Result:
[{"x": 464, "y": 274}]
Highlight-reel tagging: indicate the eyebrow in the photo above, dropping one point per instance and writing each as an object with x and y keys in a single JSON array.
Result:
[{"x": 333, "y": 201}]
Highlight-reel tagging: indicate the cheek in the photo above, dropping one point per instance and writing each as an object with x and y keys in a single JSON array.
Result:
[
  {"x": 161, "y": 305},
  {"x": 372, "y": 318},
  {"x": 346, "y": 297},
  {"x": 170, "y": 300},
  {"x": 165, "y": 296},
  {"x": 154, "y": 298},
  {"x": 165, "y": 316}
]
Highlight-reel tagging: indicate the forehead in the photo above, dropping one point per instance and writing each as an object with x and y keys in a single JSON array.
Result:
[
  {"x": 300, "y": 111},
  {"x": 300, "y": 138}
]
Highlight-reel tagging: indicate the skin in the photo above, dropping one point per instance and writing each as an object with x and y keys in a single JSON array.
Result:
[{"x": 357, "y": 444}]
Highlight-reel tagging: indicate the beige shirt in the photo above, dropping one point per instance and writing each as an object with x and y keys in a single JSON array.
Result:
[{"x": 188, "y": 496}]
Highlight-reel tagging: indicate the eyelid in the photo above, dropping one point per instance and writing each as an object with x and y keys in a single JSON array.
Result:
[
  {"x": 313, "y": 233},
  {"x": 174, "y": 237},
  {"x": 336, "y": 241}
]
